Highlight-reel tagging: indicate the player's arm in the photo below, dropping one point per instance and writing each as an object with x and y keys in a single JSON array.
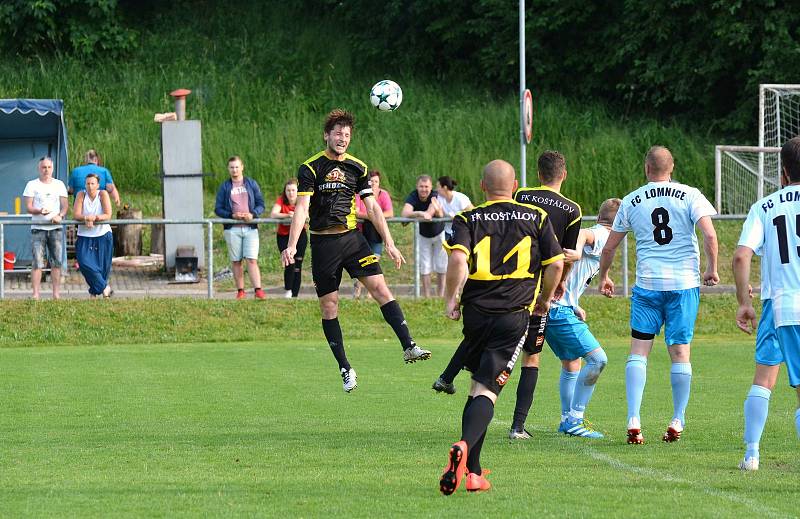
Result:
[
  {"x": 585, "y": 237},
  {"x": 298, "y": 222},
  {"x": 606, "y": 259},
  {"x": 711, "y": 248},
  {"x": 361, "y": 209},
  {"x": 745, "y": 315},
  {"x": 551, "y": 277},
  {"x": 375, "y": 214},
  {"x": 456, "y": 272}
]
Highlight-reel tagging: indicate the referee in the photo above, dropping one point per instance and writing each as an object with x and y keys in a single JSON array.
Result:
[{"x": 504, "y": 247}]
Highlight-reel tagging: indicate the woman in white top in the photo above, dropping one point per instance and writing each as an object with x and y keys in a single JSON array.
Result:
[
  {"x": 452, "y": 201},
  {"x": 95, "y": 245}
]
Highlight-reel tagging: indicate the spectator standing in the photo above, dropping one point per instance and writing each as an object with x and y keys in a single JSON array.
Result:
[
  {"x": 423, "y": 205},
  {"x": 284, "y": 209},
  {"x": 93, "y": 165},
  {"x": 367, "y": 229},
  {"x": 46, "y": 200},
  {"x": 239, "y": 198},
  {"x": 95, "y": 246},
  {"x": 452, "y": 201}
]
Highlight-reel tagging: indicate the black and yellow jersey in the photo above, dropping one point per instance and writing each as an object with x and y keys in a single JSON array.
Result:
[
  {"x": 332, "y": 185},
  {"x": 506, "y": 243},
  {"x": 565, "y": 215}
]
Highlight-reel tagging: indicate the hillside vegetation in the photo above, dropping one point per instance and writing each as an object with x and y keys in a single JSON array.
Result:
[{"x": 263, "y": 80}]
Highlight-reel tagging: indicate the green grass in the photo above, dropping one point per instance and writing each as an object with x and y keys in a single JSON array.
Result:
[{"x": 262, "y": 428}]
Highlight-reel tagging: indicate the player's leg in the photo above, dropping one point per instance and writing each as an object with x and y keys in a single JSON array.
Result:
[
  {"x": 789, "y": 339},
  {"x": 361, "y": 263},
  {"x": 326, "y": 270},
  {"x": 570, "y": 369},
  {"x": 646, "y": 320},
  {"x": 681, "y": 313},
  {"x": 768, "y": 359},
  {"x": 528, "y": 377}
]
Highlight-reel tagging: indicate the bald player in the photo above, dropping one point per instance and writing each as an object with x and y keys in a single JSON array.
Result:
[
  {"x": 503, "y": 248},
  {"x": 662, "y": 216}
]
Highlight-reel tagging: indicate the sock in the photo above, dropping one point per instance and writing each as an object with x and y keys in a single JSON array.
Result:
[
  {"x": 288, "y": 274},
  {"x": 296, "y": 277},
  {"x": 797, "y": 422},
  {"x": 474, "y": 456},
  {"x": 681, "y": 378},
  {"x": 477, "y": 416},
  {"x": 756, "y": 409},
  {"x": 256, "y": 289},
  {"x": 333, "y": 333},
  {"x": 635, "y": 379},
  {"x": 566, "y": 388},
  {"x": 527, "y": 385},
  {"x": 393, "y": 314},
  {"x": 595, "y": 363},
  {"x": 456, "y": 363}
]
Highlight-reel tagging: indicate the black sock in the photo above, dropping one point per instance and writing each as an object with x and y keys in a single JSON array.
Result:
[
  {"x": 474, "y": 456},
  {"x": 298, "y": 266},
  {"x": 393, "y": 314},
  {"x": 477, "y": 416},
  {"x": 333, "y": 333},
  {"x": 456, "y": 364},
  {"x": 525, "y": 389}
]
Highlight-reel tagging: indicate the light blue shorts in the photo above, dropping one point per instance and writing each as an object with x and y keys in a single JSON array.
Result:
[
  {"x": 768, "y": 350},
  {"x": 568, "y": 336},
  {"x": 242, "y": 243},
  {"x": 676, "y": 310},
  {"x": 789, "y": 338}
]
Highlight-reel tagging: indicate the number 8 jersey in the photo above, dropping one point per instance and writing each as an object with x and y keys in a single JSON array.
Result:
[
  {"x": 662, "y": 216},
  {"x": 507, "y": 244}
]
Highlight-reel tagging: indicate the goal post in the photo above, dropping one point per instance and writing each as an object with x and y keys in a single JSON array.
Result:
[{"x": 744, "y": 174}]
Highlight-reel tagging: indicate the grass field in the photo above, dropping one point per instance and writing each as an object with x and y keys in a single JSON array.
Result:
[{"x": 137, "y": 425}]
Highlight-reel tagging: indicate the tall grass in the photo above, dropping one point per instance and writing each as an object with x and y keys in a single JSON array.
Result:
[{"x": 261, "y": 88}]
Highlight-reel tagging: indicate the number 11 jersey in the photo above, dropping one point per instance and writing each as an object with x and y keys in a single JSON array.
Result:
[
  {"x": 662, "y": 216},
  {"x": 507, "y": 244}
]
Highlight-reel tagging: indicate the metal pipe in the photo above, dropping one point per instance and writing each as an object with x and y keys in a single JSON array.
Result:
[
  {"x": 3, "y": 255},
  {"x": 416, "y": 259},
  {"x": 210, "y": 262},
  {"x": 523, "y": 176}
]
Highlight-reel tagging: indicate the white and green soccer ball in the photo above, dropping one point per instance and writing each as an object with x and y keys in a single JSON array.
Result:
[{"x": 386, "y": 95}]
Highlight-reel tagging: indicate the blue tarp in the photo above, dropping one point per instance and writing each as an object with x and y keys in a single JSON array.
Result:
[{"x": 29, "y": 129}]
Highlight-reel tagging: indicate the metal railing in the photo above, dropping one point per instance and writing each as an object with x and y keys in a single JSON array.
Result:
[{"x": 210, "y": 222}]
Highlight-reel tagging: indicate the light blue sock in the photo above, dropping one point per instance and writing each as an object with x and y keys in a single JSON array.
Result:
[
  {"x": 566, "y": 388},
  {"x": 797, "y": 422},
  {"x": 681, "y": 378},
  {"x": 756, "y": 408},
  {"x": 595, "y": 363},
  {"x": 635, "y": 379}
]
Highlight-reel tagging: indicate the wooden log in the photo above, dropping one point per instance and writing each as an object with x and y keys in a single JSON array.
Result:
[
  {"x": 157, "y": 239},
  {"x": 128, "y": 238}
]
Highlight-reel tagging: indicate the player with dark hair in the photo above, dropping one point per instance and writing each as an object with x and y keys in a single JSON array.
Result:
[
  {"x": 329, "y": 182},
  {"x": 662, "y": 215},
  {"x": 505, "y": 249},
  {"x": 771, "y": 231}
]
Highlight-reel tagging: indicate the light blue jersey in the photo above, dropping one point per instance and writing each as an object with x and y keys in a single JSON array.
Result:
[
  {"x": 662, "y": 216},
  {"x": 585, "y": 269}
]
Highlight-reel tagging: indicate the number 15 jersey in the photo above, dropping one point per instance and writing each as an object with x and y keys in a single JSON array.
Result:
[
  {"x": 662, "y": 216},
  {"x": 506, "y": 244}
]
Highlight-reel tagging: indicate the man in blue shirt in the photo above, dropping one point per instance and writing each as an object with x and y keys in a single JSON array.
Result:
[{"x": 77, "y": 177}]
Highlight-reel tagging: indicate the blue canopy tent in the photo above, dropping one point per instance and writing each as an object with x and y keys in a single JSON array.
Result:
[{"x": 29, "y": 129}]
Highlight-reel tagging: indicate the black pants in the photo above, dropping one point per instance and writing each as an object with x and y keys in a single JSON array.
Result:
[{"x": 291, "y": 274}]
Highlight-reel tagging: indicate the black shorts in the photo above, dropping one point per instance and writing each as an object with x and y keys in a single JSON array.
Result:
[
  {"x": 493, "y": 342},
  {"x": 330, "y": 253},
  {"x": 535, "y": 340}
]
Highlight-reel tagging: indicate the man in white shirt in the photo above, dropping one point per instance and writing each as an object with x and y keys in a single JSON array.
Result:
[
  {"x": 662, "y": 215},
  {"x": 771, "y": 231},
  {"x": 46, "y": 200}
]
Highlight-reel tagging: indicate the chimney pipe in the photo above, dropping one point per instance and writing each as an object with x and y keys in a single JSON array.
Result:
[{"x": 180, "y": 102}]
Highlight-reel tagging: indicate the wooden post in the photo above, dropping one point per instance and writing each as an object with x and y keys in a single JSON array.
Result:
[{"x": 128, "y": 238}]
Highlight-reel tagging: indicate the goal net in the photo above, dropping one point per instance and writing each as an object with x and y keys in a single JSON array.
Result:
[{"x": 746, "y": 173}]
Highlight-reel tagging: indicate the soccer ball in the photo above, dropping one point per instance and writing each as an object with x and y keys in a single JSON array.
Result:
[{"x": 386, "y": 95}]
